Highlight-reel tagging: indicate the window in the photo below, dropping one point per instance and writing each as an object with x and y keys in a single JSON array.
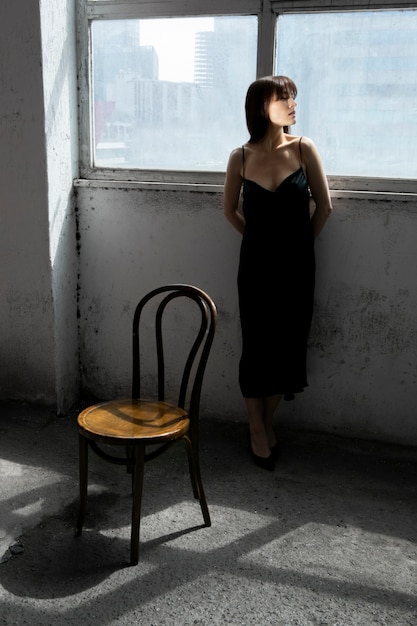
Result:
[
  {"x": 165, "y": 90},
  {"x": 356, "y": 74},
  {"x": 162, "y": 85}
]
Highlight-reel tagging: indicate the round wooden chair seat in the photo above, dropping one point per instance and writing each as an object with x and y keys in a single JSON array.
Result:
[{"x": 122, "y": 421}]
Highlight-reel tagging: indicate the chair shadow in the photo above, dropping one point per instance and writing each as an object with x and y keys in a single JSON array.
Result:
[
  {"x": 56, "y": 563},
  {"x": 163, "y": 539}
]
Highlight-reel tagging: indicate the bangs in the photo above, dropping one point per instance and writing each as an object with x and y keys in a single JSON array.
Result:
[{"x": 284, "y": 87}]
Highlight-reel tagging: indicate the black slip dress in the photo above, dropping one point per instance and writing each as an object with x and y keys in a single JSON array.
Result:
[{"x": 276, "y": 287}]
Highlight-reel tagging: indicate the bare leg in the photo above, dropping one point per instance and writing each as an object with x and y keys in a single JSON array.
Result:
[
  {"x": 259, "y": 439},
  {"x": 270, "y": 406},
  {"x": 261, "y": 423}
]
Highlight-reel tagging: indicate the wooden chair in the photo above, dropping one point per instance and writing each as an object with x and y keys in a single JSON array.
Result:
[{"x": 136, "y": 423}]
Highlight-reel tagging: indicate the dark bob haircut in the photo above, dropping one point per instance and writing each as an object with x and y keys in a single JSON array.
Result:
[{"x": 258, "y": 97}]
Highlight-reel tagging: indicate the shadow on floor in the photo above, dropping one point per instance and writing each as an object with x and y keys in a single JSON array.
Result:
[{"x": 328, "y": 538}]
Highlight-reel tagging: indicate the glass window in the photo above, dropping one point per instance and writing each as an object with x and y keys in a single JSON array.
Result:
[
  {"x": 169, "y": 93},
  {"x": 356, "y": 75}
]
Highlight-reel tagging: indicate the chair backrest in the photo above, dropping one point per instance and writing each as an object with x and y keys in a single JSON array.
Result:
[{"x": 196, "y": 356}]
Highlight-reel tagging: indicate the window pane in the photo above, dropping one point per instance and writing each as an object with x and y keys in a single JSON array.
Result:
[
  {"x": 169, "y": 93},
  {"x": 356, "y": 75}
]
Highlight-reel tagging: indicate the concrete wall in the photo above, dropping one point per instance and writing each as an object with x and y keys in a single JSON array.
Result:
[
  {"x": 37, "y": 165},
  {"x": 61, "y": 133},
  {"x": 362, "y": 358},
  {"x": 363, "y": 355}
]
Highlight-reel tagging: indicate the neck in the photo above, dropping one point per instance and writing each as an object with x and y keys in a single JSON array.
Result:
[{"x": 274, "y": 138}]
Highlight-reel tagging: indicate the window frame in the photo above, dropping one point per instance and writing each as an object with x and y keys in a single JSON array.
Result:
[{"x": 267, "y": 12}]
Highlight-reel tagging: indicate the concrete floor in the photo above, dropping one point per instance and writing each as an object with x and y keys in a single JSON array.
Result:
[{"x": 329, "y": 538}]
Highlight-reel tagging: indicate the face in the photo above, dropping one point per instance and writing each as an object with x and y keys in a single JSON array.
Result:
[{"x": 281, "y": 111}]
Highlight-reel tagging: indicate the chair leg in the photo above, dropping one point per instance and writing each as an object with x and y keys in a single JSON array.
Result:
[
  {"x": 138, "y": 471},
  {"x": 203, "y": 501},
  {"x": 196, "y": 482},
  {"x": 191, "y": 466},
  {"x": 83, "y": 481}
]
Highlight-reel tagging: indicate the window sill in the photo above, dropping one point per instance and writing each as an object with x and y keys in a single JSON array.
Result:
[
  {"x": 151, "y": 185},
  {"x": 348, "y": 194}
]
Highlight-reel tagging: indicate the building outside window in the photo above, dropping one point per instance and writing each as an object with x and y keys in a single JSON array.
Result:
[{"x": 166, "y": 90}]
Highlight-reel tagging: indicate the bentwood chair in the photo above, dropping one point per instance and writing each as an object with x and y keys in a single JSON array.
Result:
[{"x": 139, "y": 422}]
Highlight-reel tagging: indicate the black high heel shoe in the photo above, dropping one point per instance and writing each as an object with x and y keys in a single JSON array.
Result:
[
  {"x": 265, "y": 462},
  {"x": 274, "y": 451}
]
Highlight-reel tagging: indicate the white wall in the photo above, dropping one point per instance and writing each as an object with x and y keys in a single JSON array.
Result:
[
  {"x": 61, "y": 132},
  {"x": 362, "y": 358},
  {"x": 132, "y": 241},
  {"x": 37, "y": 165},
  {"x": 363, "y": 354}
]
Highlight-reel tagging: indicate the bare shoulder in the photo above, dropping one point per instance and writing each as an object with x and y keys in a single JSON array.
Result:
[
  {"x": 235, "y": 159},
  {"x": 308, "y": 145},
  {"x": 236, "y": 152}
]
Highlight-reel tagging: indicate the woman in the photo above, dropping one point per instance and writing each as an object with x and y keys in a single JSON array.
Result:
[{"x": 276, "y": 172}]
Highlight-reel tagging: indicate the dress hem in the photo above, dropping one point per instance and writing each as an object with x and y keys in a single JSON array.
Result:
[{"x": 287, "y": 395}]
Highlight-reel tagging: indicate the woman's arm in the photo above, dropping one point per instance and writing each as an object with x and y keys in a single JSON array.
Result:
[
  {"x": 319, "y": 188},
  {"x": 232, "y": 187}
]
